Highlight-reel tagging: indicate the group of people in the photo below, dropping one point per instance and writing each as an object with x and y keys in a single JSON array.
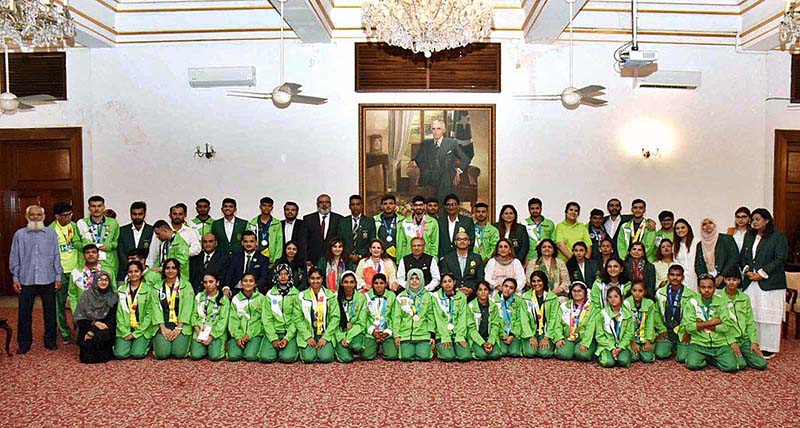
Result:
[{"x": 618, "y": 289}]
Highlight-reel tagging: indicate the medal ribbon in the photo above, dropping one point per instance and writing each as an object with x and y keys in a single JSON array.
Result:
[
  {"x": 708, "y": 311},
  {"x": 97, "y": 230},
  {"x": 507, "y": 313},
  {"x": 172, "y": 295},
  {"x": 539, "y": 314},
  {"x": 617, "y": 328},
  {"x": 319, "y": 313},
  {"x": 264, "y": 232},
  {"x": 389, "y": 226},
  {"x": 202, "y": 310},
  {"x": 575, "y": 320},
  {"x": 381, "y": 313},
  {"x": 89, "y": 276},
  {"x": 420, "y": 227},
  {"x": 133, "y": 305},
  {"x": 637, "y": 235},
  {"x": 480, "y": 232}
]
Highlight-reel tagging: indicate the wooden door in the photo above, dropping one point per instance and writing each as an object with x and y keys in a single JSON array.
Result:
[
  {"x": 787, "y": 190},
  {"x": 39, "y": 166}
]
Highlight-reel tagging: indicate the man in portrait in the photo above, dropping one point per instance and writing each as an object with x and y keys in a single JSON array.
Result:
[{"x": 441, "y": 162}]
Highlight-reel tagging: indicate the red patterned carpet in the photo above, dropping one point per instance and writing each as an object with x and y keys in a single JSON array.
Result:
[{"x": 49, "y": 389}]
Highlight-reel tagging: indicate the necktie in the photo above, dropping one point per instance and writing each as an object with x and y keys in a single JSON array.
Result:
[
  {"x": 208, "y": 259},
  {"x": 355, "y": 228},
  {"x": 322, "y": 226},
  {"x": 247, "y": 263}
]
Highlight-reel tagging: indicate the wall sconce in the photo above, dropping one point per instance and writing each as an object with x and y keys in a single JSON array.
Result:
[
  {"x": 647, "y": 153},
  {"x": 208, "y": 153}
]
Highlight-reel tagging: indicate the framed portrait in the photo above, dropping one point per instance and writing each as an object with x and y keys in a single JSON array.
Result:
[{"x": 427, "y": 149}]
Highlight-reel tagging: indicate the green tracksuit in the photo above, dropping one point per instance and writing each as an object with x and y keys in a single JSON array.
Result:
[
  {"x": 355, "y": 311},
  {"x": 545, "y": 229},
  {"x": 494, "y": 325},
  {"x": 69, "y": 247},
  {"x": 744, "y": 331},
  {"x": 80, "y": 279},
  {"x": 577, "y": 329},
  {"x": 599, "y": 290},
  {"x": 643, "y": 329},
  {"x": 315, "y": 323},
  {"x": 277, "y": 319},
  {"x": 201, "y": 227},
  {"x": 407, "y": 230},
  {"x": 105, "y": 233},
  {"x": 670, "y": 322},
  {"x": 245, "y": 319},
  {"x": 542, "y": 317},
  {"x": 646, "y": 236},
  {"x": 183, "y": 309},
  {"x": 486, "y": 239},
  {"x": 412, "y": 322},
  {"x": 512, "y": 313},
  {"x": 614, "y": 331},
  {"x": 273, "y": 235},
  {"x": 382, "y": 233},
  {"x": 709, "y": 345},
  {"x": 177, "y": 248},
  {"x": 134, "y": 306},
  {"x": 379, "y": 318},
  {"x": 208, "y": 313},
  {"x": 450, "y": 324}
]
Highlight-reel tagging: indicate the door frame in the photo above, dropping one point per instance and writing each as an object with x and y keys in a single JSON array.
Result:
[
  {"x": 782, "y": 138},
  {"x": 74, "y": 135}
]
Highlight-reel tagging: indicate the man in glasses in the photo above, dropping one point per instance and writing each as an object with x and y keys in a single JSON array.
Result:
[{"x": 69, "y": 248}]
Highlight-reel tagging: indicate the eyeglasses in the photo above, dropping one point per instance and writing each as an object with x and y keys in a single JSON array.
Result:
[{"x": 704, "y": 276}]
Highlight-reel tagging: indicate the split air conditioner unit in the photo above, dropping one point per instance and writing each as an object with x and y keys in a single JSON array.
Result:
[
  {"x": 216, "y": 77},
  {"x": 670, "y": 79}
]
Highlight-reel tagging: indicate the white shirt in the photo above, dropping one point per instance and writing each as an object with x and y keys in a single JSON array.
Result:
[
  {"x": 738, "y": 236},
  {"x": 191, "y": 237},
  {"x": 612, "y": 225},
  {"x": 229, "y": 227},
  {"x": 327, "y": 223},
  {"x": 288, "y": 229},
  {"x": 208, "y": 256},
  {"x": 436, "y": 277},
  {"x": 137, "y": 235},
  {"x": 451, "y": 227}
]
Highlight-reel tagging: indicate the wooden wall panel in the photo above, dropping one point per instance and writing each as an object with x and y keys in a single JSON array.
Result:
[
  {"x": 37, "y": 73},
  {"x": 383, "y": 68}
]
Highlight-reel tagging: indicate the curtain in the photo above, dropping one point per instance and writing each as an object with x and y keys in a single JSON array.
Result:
[{"x": 399, "y": 131}]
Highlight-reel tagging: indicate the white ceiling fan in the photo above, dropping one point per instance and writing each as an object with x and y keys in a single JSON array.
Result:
[
  {"x": 572, "y": 97},
  {"x": 10, "y": 103},
  {"x": 285, "y": 93}
]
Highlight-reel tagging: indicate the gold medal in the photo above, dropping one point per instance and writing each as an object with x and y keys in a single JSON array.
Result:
[{"x": 416, "y": 318}]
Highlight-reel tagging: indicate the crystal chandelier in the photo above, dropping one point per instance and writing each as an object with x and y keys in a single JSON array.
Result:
[
  {"x": 428, "y": 25},
  {"x": 789, "y": 31},
  {"x": 35, "y": 23}
]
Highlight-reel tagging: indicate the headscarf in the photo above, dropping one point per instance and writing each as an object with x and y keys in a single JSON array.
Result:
[
  {"x": 709, "y": 244},
  {"x": 283, "y": 288},
  {"x": 412, "y": 291},
  {"x": 95, "y": 304}
]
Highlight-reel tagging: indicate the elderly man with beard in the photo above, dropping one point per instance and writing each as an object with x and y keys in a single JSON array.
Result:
[{"x": 36, "y": 268}]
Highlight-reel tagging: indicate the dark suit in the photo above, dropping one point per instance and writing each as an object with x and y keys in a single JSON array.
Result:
[
  {"x": 446, "y": 242},
  {"x": 299, "y": 236},
  {"x": 519, "y": 241},
  {"x": 259, "y": 266},
  {"x": 218, "y": 264},
  {"x": 126, "y": 243},
  {"x": 624, "y": 218},
  {"x": 473, "y": 271},
  {"x": 235, "y": 244},
  {"x": 590, "y": 272},
  {"x": 770, "y": 256},
  {"x": 438, "y": 165},
  {"x": 357, "y": 241},
  {"x": 317, "y": 244}
]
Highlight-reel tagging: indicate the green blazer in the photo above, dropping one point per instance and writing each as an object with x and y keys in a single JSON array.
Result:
[
  {"x": 726, "y": 256},
  {"x": 590, "y": 271},
  {"x": 357, "y": 241},
  {"x": 223, "y": 244},
  {"x": 770, "y": 256},
  {"x": 520, "y": 241},
  {"x": 447, "y": 243}
]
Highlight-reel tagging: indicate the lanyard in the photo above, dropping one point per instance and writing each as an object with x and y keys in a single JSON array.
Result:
[
  {"x": 596, "y": 234},
  {"x": 381, "y": 307},
  {"x": 171, "y": 297},
  {"x": 203, "y": 310},
  {"x": 448, "y": 301},
  {"x": 637, "y": 235},
  {"x": 319, "y": 313},
  {"x": 674, "y": 300},
  {"x": 133, "y": 305},
  {"x": 617, "y": 328},
  {"x": 507, "y": 312},
  {"x": 350, "y": 309},
  {"x": 417, "y": 302},
  {"x": 97, "y": 230},
  {"x": 480, "y": 232},
  {"x": 575, "y": 319},
  {"x": 538, "y": 313},
  {"x": 640, "y": 318},
  {"x": 420, "y": 227},
  {"x": 263, "y": 230},
  {"x": 708, "y": 311},
  {"x": 390, "y": 226},
  {"x": 165, "y": 247}
]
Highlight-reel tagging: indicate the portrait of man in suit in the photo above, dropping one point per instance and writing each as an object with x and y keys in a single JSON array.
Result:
[{"x": 433, "y": 151}]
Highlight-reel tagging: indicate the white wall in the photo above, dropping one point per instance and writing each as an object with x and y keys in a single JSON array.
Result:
[{"x": 145, "y": 122}]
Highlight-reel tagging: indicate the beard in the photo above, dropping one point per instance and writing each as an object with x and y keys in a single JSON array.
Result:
[
  {"x": 138, "y": 222},
  {"x": 35, "y": 225},
  {"x": 324, "y": 211}
]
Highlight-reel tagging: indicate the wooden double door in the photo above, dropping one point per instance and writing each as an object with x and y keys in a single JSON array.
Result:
[{"x": 40, "y": 166}]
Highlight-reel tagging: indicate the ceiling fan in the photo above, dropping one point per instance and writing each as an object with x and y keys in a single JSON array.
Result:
[
  {"x": 10, "y": 103},
  {"x": 572, "y": 97},
  {"x": 285, "y": 93}
]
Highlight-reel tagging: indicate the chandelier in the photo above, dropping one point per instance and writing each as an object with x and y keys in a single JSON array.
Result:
[
  {"x": 789, "y": 31},
  {"x": 35, "y": 23},
  {"x": 428, "y": 25}
]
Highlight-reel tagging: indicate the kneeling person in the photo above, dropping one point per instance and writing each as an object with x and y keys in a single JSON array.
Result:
[
  {"x": 134, "y": 326},
  {"x": 450, "y": 318},
  {"x": 412, "y": 320},
  {"x": 380, "y": 303},
  {"x": 317, "y": 321},
  {"x": 707, "y": 322},
  {"x": 614, "y": 332},
  {"x": 210, "y": 321},
  {"x": 743, "y": 337},
  {"x": 352, "y": 319}
]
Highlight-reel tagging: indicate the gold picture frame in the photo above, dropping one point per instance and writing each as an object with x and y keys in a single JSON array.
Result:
[{"x": 392, "y": 135}]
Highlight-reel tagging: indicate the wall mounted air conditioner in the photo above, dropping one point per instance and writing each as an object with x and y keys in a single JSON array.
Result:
[
  {"x": 216, "y": 77},
  {"x": 670, "y": 79}
]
